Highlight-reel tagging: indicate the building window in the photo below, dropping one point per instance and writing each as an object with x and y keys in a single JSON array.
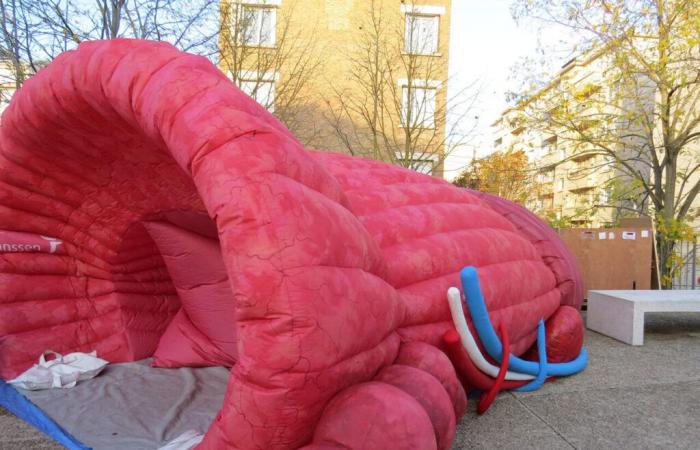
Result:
[
  {"x": 419, "y": 161},
  {"x": 546, "y": 176},
  {"x": 418, "y": 107},
  {"x": 425, "y": 166},
  {"x": 560, "y": 185},
  {"x": 421, "y": 35},
  {"x": 261, "y": 91},
  {"x": 258, "y": 25}
]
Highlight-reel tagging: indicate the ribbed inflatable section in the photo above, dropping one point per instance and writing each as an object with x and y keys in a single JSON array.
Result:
[
  {"x": 548, "y": 244},
  {"x": 428, "y": 230}
]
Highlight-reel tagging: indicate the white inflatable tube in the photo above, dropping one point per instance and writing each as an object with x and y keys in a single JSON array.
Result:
[{"x": 455, "y": 300}]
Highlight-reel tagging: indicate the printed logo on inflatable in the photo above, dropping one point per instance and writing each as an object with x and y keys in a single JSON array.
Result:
[
  {"x": 18, "y": 242},
  {"x": 53, "y": 243}
]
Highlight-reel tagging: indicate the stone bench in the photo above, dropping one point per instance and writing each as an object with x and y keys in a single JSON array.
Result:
[{"x": 620, "y": 314}]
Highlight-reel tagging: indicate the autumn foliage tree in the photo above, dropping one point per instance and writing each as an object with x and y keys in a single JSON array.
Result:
[{"x": 505, "y": 174}]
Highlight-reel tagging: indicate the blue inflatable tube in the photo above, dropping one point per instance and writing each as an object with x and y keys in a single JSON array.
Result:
[
  {"x": 489, "y": 339},
  {"x": 542, "y": 353}
]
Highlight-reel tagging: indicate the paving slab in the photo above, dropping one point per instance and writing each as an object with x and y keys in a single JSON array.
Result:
[
  {"x": 628, "y": 398},
  {"x": 653, "y": 417},
  {"x": 15, "y": 434},
  {"x": 496, "y": 429},
  {"x": 665, "y": 357}
]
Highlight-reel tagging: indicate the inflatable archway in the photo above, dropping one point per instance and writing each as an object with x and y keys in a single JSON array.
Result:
[{"x": 133, "y": 175}]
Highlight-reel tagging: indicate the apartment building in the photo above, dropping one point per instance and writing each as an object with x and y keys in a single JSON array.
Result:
[
  {"x": 364, "y": 77},
  {"x": 570, "y": 181}
]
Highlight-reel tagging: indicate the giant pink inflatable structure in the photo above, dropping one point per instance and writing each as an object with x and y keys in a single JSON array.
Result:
[{"x": 150, "y": 208}]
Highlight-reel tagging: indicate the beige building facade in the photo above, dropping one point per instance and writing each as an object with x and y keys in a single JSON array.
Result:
[
  {"x": 571, "y": 183},
  {"x": 366, "y": 77}
]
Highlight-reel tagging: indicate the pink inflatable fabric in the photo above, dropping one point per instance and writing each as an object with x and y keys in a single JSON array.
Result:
[
  {"x": 552, "y": 248},
  {"x": 337, "y": 267}
]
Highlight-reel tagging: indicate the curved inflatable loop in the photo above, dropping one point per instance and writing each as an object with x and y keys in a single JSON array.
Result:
[
  {"x": 430, "y": 394},
  {"x": 434, "y": 361},
  {"x": 473, "y": 378},
  {"x": 484, "y": 328},
  {"x": 487, "y": 398},
  {"x": 542, "y": 351},
  {"x": 375, "y": 415},
  {"x": 564, "y": 336},
  {"x": 455, "y": 300}
]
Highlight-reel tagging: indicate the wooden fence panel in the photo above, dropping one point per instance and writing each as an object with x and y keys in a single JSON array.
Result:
[{"x": 612, "y": 258}]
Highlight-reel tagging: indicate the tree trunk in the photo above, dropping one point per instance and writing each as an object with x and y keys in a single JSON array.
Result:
[{"x": 665, "y": 248}]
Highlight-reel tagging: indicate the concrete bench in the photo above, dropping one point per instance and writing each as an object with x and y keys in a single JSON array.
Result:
[{"x": 620, "y": 314}]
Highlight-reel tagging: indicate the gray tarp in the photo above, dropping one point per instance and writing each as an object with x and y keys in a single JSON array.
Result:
[{"x": 134, "y": 406}]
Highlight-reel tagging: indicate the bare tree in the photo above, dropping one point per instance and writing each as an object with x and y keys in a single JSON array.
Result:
[
  {"x": 273, "y": 58},
  {"x": 33, "y": 32},
  {"x": 17, "y": 26},
  {"x": 394, "y": 106},
  {"x": 187, "y": 24}
]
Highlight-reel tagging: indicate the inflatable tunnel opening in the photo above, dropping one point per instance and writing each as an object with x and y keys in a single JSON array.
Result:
[
  {"x": 82, "y": 165},
  {"x": 109, "y": 276}
]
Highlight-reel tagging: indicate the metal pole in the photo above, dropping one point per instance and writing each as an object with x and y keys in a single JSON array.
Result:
[{"x": 694, "y": 271}]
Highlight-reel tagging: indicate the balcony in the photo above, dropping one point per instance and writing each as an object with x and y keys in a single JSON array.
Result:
[{"x": 583, "y": 184}]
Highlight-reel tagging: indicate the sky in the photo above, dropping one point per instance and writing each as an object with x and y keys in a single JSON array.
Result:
[{"x": 485, "y": 43}]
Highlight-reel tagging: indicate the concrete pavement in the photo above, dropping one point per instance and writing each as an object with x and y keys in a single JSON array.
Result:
[{"x": 628, "y": 398}]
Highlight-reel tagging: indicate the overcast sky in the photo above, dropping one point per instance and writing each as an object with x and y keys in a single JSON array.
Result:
[{"x": 485, "y": 43}]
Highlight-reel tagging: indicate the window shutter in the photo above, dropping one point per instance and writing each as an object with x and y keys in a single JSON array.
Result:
[
  {"x": 267, "y": 26},
  {"x": 431, "y": 34}
]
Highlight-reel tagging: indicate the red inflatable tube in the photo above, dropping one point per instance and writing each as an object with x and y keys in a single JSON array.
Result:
[
  {"x": 471, "y": 375},
  {"x": 487, "y": 398}
]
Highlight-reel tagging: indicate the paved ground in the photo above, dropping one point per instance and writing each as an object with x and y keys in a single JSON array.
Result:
[
  {"x": 17, "y": 435},
  {"x": 628, "y": 398}
]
